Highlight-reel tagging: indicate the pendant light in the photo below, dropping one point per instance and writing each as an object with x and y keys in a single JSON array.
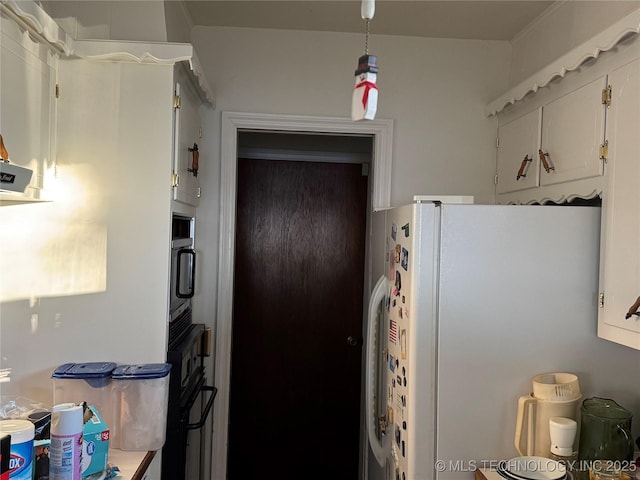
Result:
[{"x": 364, "y": 102}]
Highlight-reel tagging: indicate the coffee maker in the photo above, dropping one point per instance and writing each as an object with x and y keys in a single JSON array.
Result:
[{"x": 553, "y": 395}]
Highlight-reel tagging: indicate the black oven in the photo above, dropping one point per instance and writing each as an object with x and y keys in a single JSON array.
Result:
[{"x": 190, "y": 402}]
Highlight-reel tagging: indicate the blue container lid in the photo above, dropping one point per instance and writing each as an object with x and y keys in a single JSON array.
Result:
[
  {"x": 96, "y": 374},
  {"x": 141, "y": 372}
]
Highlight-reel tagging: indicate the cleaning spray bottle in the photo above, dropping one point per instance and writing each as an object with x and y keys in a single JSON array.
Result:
[{"x": 66, "y": 442}]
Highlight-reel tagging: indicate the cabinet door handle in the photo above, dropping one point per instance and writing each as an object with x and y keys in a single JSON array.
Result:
[
  {"x": 546, "y": 164},
  {"x": 523, "y": 166},
  {"x": 4, "y": 155},
  {"x": 195, "y": 160},
  {"x": 633, "y": 310}
]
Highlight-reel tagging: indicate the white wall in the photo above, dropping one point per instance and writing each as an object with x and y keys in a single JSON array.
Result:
[
  {"x": 178, "y": 22},
  {"x": 109, "y": 221},
  {"x": 434, "y": 89},
  {"x": 134, "y": 20},
  {"x": 560, "y": 29}
]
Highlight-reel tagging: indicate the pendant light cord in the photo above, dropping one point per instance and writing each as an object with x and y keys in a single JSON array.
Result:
[{"x": 366, "y": 38}]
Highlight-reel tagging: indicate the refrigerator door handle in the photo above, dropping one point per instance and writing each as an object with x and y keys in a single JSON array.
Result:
[{"x": 377, "y": 295}]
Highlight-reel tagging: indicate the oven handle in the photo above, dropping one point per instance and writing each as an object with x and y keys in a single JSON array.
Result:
[
  {"x": 203, "y": 418},
  {"x": 192, "y": 273}
]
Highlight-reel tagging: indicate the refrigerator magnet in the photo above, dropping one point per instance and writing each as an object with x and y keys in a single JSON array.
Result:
[
  {"x": 393, "y": 331},
  {"x": 398, "y": 283},
  {"x": 392, "y": 262},
  {"x": 394, "y": 231},
  {"x": 403, "y": 344},
  {"x": 405, "y": 229},
  {"x": 397, "y": 252},
  {"x": 392, "y": 364},
  {"x": 405, "y": 259}
]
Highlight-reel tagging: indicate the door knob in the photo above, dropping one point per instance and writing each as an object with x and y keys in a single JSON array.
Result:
[{"x": 352, "y": 341}]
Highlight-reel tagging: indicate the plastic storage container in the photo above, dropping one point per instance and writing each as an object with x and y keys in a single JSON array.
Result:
[
  {"x": 86, "y": 382},
  {"x": 142, "y": 394}
]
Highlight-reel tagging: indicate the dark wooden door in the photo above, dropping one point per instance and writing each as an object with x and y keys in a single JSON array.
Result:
[{"x": 299, "y": 273}]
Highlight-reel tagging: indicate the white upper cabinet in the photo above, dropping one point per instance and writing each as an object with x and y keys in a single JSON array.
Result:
[
  {"x": 620, "y": 249},
  {"x": 558, "y": 142},
  {"x": 27, "y": 116},
  {"x": 186, "y": 139},
  {"x": 573, "y": 129},
  {"x": 519, "y": 141},
  {"x": 574, "y": 132},
  {"x": 583, "y": 111}
]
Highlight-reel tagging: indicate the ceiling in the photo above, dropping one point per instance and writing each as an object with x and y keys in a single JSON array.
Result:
[{"x": 475, "y": 19}]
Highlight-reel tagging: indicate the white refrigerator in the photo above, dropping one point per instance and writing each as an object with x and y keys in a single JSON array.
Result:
[{"x": 472, "y": 302}]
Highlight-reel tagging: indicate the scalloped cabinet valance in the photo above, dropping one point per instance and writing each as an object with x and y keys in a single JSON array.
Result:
[
  {"x": 147, "y": 53},
  {"x": 604, "y": 41},
  {"x": 33, "y": 19}
]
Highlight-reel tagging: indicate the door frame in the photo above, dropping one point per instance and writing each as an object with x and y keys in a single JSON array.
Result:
[{"x": 231, "y": 123}]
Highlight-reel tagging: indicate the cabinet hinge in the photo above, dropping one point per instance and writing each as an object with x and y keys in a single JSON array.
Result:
[
  {"x": 606, "y": 96},
  {"x": 198, "y": 192},
  {"x": 495, "y": 179},
  {"x": 604, "y": 151},
  {"x": 57, "y": 90},
  {"x": 176, "y": 101},
  {"x": 175, "y": 180},
  {"x": 601, "y": 300},
  {"x": 497, "y": 142},
  {"x": 200, "y": 132}
]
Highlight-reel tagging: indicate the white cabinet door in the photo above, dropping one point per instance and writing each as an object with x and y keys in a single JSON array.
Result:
[
  {"x": 620, "y": 255},
  {"x": 27, "y": 79},
  {"x": 572, "y": 132},
  {"x": 187, "y": 135},
  {"x": 517, "y": 164}
]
